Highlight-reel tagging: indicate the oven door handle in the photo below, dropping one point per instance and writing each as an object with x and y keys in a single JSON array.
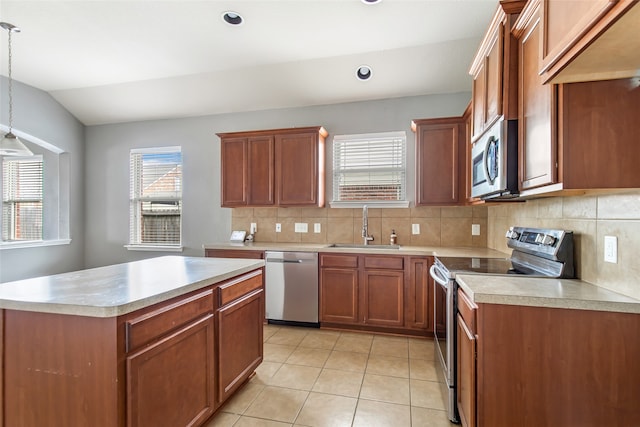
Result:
[{"x": 438, "y": 276}]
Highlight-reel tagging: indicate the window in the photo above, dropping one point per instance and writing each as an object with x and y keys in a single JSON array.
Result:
[
  {"x": 155, "y": 213},
  {"x": 370, "y": 168},
  {"x": 22, "y": 198}
]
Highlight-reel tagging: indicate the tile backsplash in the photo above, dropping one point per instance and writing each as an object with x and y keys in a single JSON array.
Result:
[
  {"x": 446, "y": 226},
  {"x": 590, "y": 218}
]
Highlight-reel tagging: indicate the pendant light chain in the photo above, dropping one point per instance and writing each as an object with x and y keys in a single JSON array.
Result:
[{"x": 10, "y": 87}]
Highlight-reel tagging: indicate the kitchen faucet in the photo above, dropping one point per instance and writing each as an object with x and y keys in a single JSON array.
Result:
[{"x": 365, "y": 225}]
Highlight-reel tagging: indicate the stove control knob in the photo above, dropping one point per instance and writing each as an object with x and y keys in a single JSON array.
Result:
[
  {"x": 512, "y": 234},
  {"x": 545, "y": 239}
]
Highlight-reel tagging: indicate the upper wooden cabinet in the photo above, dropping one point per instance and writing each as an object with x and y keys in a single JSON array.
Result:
[
  {"x": 589, "y": 40},
  {"x": 281, "y": 167},
  {"x": 494, "y": 71},
  {"x": 573, "y": 136},
  {"x": 441, "y": 163}
]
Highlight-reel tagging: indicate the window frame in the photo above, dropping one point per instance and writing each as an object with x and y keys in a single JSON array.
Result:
[
  {"x": 403, "y": 170},
  {"x": 15, "y": 199},
  {"x": 56, "y": 193},
  {"x": 136, "y": 198}
]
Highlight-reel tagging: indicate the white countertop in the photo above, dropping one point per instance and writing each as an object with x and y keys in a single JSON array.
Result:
[
  {"x": 543, "y": 292},
  {"x": 371, "y": 249},
  {"x": 122, "y": 288}
]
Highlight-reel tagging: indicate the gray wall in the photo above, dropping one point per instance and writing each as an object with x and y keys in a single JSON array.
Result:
[
  {"x": 38, "y": 114},
  {"x": 204, "y": 221}
]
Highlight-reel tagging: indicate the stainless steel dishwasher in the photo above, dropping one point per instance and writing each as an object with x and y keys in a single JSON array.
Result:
[{"x": 291, "y": 285}]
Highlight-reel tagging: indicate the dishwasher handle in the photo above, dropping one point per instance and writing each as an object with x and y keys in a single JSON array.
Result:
[{"x": 284, "y": 261}]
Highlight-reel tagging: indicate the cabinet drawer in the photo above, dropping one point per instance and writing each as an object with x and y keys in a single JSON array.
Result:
[
  {"x": 467, "y": 310},
  {"x": 235, "y": 288},
  {"x": 383, "y": 262},
  {"x": 145, "y": 328},
  {"x": 340, "y": 261}
]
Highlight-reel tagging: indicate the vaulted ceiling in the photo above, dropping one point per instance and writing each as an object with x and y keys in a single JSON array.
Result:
[{"x": 118, "y": 61}]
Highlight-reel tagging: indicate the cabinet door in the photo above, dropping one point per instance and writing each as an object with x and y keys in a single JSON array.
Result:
[
  {"x": 383, "y": 298},
  {"x": 260, "y": 171},
  {"x": 233, "y": 166},
  {"x": 420, "y": 299},
  {"x": 478, "y": 98},
  {"x": 565, "y": 22},
  {"x": 493, "y": 64},
  {"x": 537, "y": 142},
  {"x": 172, "y": 382},
  {"x": 466, "y": 380},
  {"x": 339, "y": 295},
  {"x": 297, "y": 176},
  {"x": 239, "y": 342},
  {"x": 438, "y": 160}
]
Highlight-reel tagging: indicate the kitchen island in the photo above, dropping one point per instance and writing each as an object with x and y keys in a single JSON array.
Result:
[{"x": 159, "y": 342}]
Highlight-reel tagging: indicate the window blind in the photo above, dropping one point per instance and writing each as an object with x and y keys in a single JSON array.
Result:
[
  {"x": 369, "y": 167},
  {"x": 22, "y": 198},
  {"x": 156, "y": 197}
]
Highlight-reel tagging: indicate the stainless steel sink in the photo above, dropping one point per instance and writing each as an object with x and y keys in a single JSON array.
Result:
[{"x": 361, "y": 246}]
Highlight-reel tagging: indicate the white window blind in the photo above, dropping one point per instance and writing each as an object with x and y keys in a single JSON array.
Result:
[
  {"x": 22, "y": 198},
  {"x": 370, "y": 167},
  {"x": 156, "y": 197}
]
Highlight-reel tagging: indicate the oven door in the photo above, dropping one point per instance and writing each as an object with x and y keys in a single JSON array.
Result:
[{"x": 444, "y": 334}]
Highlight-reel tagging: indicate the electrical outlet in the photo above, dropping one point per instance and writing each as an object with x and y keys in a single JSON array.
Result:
[
  {"x": 475, "y": 229},
  {"x": 253, "y": 228},
  {"x": 611, "y": 249},
  {"x": 317, "y": 228},
  {"x": 415, "y": 228},
  {"x": 278, "y": 227},
  {"x": 301, "y": 227}
]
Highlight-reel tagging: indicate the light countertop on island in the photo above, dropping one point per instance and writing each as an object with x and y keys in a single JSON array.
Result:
[
  {"x": 544, "y": 292},
  {"x": 122, "y": 288}
]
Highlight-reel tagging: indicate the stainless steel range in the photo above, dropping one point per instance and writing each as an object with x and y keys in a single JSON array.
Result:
[{"x": 536, "y": 252}]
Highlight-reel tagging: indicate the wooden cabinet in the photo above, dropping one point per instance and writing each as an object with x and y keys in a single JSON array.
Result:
[
  {"x": 383, "y": 293},
  {"x": 441, "y": 173},
  {"x": 280, "y": 167},
  {"x": 177, "y": 368},
  {"x": 494, "y": 71},
  {"x": 589, "y": 40},
  {"x": 239, "y": 337},
  {"x": 576, "y": 136},
  {"x": 509, "y": 373},
  {"x": 339, "y": 288},
  {"x": 419, "y": 300},
  {"x": 466, "y": 361}
]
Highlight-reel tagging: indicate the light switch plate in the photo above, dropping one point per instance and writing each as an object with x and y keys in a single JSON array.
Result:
[
  {"x": 253, "y": 228},
  {"x": 611, "y": 249},
  {"x": 475, "y": 229},
  {"x": 415, "y": 228},
  {"x": 278, "y": 227},
  {"x": 317, "y": 227},
  {"x": 301, "y": 227}
]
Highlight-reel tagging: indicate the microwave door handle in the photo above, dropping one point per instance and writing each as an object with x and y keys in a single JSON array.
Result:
[
  {"x": 485, "y": 161},
  {"x": 437, "y": 275}
]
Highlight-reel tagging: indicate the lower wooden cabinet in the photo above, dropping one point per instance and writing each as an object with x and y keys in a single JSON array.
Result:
[
  {"x": 239, "y": 341},
  {"x": 172, "y": 382},
  {"x": 376, "y": 292},
  {"x": 466, "y": 361},
  {"x": 542, "y": 366}
]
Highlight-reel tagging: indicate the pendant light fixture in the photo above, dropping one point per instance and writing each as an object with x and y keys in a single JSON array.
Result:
[{"x": 10, "y": 145}]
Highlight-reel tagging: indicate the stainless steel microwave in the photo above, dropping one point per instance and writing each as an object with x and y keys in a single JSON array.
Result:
[{"x": 494, "y": 165}]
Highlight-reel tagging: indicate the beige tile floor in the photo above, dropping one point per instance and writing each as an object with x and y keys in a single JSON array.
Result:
[{"x": 312, "y": 377}]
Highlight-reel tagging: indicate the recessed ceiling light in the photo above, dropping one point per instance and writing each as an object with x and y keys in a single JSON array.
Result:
[
  {"x": 371, "y": 1},
  {"x": 232, "y": 18},
  {"x": 363, "y": 72}
]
